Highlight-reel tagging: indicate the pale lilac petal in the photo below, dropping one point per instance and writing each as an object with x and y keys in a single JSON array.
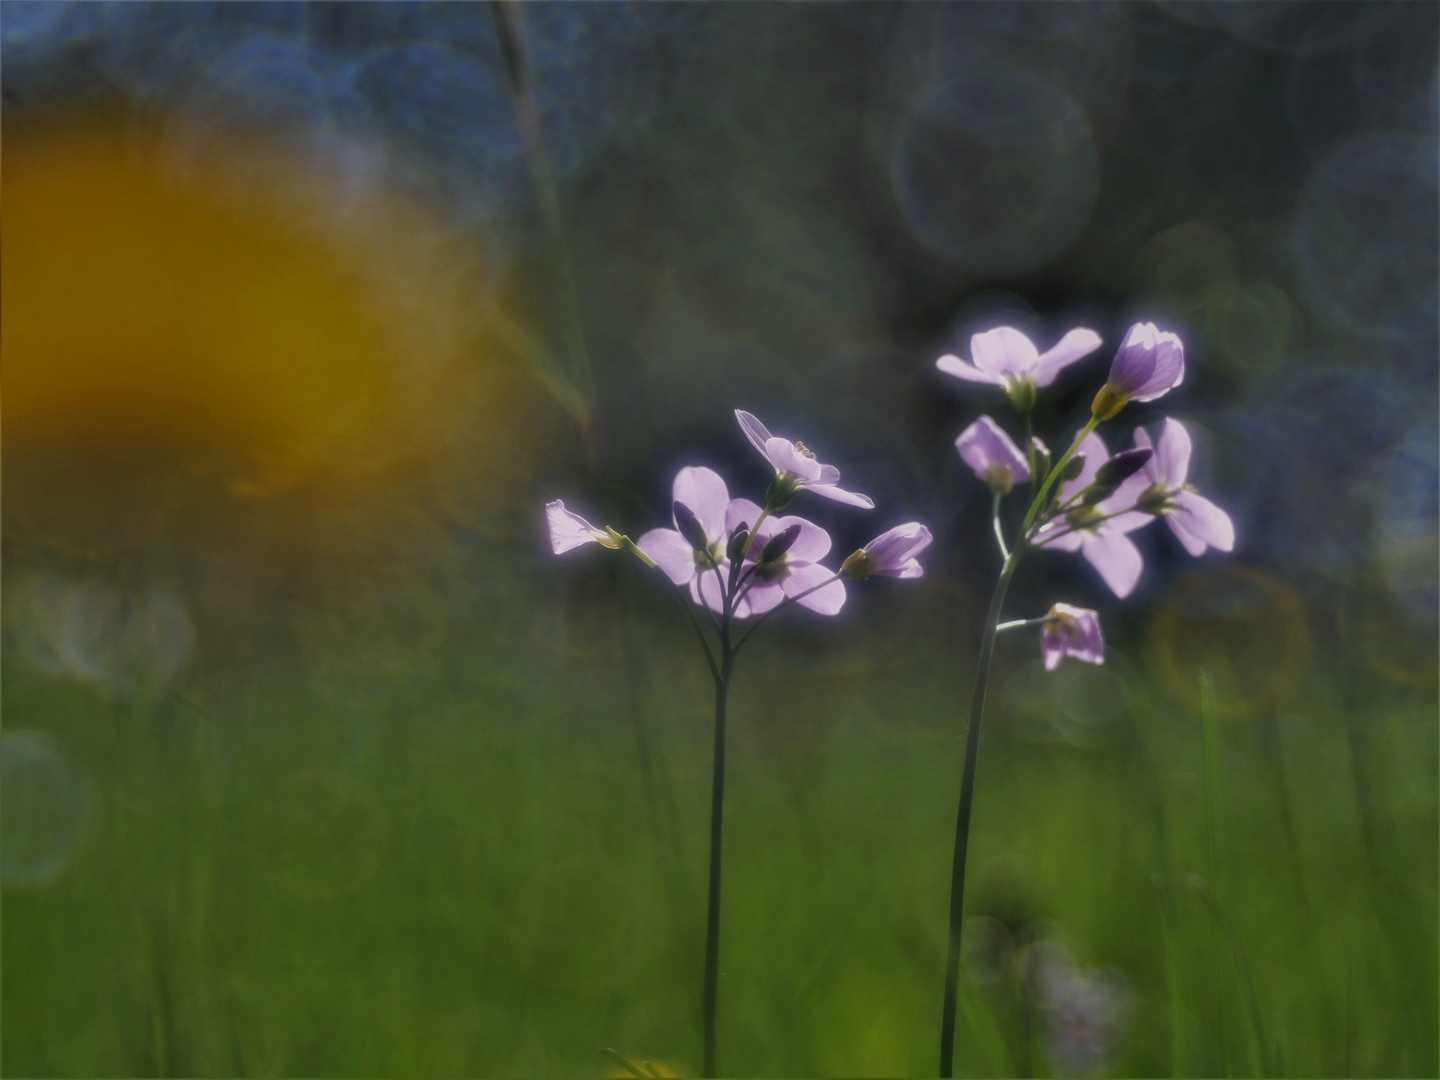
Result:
[
  {"x": 1117, "y": 559},
  {"x": 741, "y": 512},
  {"x": 1150, "y": 469},
  {"x": 704, "y": 492},
  {"x": 1059, "y": 539},
  {"x": 953, "y": 365},
  {"x": 568, "y": 530},
  {"x": 754, "y": 430},
  {"x": 1124, "y": 497},
  {"x": 1003, "y": 351},
  {"x": 849, "y": 498},
  {"x": 1093, "y": 447},
  {"x": 1172, "y": 454},
  {"x": 910, "y": 568},
  {"x": 829, "y": 475},
  {"x": 811, "y": 545},
  {"x": 826, "y": 601},
  {"x": 984, "y": 444},
  {"x": 709, "y": 587},
  {"x": 787, "y": 459},
  {"x": 1193, "y": 544},
  {"x": 894, "y": 549},
  {"x": 1202, "y": 520},
  {"x": 1052, "y": 647},
  {"x": 671, "y": 552},
  {"x": 1076, "y": 345},
  {"x": 1150, "y": 362},
  {"x": 764, "y": 596},
  {"x": 1076, "y": 633}
]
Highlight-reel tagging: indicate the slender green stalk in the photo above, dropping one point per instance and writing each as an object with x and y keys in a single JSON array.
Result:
[
  {"x": 1202, "y": 889},
  {"x": 1030, "y": 452},
  {"x": 717, "y": 829},
  {"x": 962, "y": 820},
  {"x": 1055, "y": 471},
  {"x": 995, "y": 524}
]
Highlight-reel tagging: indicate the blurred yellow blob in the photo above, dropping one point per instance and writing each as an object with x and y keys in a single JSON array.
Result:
[{"x": 159, "y": 319}]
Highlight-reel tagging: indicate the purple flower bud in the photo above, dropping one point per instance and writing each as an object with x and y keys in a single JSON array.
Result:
[
  {"x": 1150, "y": 363},
  {"x": 779, "y": 544},
  {"x": 1071, "y": 631},
  {"x": 738, "y": 540},
  {"x": 1115, "y": 471},
  {"x": 690, "y": 527}
]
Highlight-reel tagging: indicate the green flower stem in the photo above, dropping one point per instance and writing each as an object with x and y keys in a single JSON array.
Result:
[
  {"x": 995, "y": 523},
  {"x": 717, "y": 829},
  {"x": 962, "y": 821},
  {"x": 1055, "y": 471}
]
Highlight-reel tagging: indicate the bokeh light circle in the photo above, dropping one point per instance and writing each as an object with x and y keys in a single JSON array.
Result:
[
  {"x": 997, "y": 172},
  {"x": 42, "y": 805},
  {"x": 1364, "y": 234},
  {"x": 1244, "y": 626}
]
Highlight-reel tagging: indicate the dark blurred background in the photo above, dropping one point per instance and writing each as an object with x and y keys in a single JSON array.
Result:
[{"x": 317, "y": 762}]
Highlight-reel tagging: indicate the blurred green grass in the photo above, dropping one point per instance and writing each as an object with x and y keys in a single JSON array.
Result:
[{"x": 492, "y": 862}]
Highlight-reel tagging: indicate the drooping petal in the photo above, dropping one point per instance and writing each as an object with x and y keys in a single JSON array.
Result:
[
  {"x": 1172, "y": 454},
  {"x": 787, "y": 459},
  {"x": 1202, "y": 520},
  {"x": 849, "y": 498},
  {"x": 893, "y": 549},
  {"x": 671, "y": 552},
  {"x": 1052, "y": 647},
  {"x": 569, "y": 530},
  {"x": 1117, "y": 559},
  {"x": 826, "y": 601},
  {"x": 704, "y": 492},
  {"x": 984, "y": 445},
  {"x": 1076, "y": 345},
  {"x": 1073, "y": 632},
  {"x": 1004, "y": 351},
  {"x": 953, "y": 365},
  {"x": 754, "y": 430}
]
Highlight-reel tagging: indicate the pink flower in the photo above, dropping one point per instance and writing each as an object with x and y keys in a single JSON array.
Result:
[
  {"x": 1194, "y": 519},
  {"x": 793, "y": 572},
  {"x": 993, "y": 455},
  {"x": 569, "y": 530},
  {"x": 1007, "y": 358},
  {"x": 1150, "y": 363},
  {"x": 795, "y": 467},
  {"x": 1071, "y": 631},
  {"x": 705, "y": 494},
  {"x": 891, "y": 554},
  {"x": 1102, "y": 542}
]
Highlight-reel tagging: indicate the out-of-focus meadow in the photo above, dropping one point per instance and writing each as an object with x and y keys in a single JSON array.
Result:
[{"x": 315, "y": 760}]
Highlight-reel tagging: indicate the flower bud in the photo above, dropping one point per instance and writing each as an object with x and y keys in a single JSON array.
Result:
[
  {"x": 779, "y": 544},
  {"x": 1115, "y": 471},
  {"x": 690, "y": 527},
  {"x": 1108, "y": 402},
  {"x": 738, "y": 541},
  {"x": 1073, "y": 468}
]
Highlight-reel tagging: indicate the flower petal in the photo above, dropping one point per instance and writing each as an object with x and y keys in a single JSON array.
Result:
[
  {"x": 811, "y": 545},
  {"x": 1076, "y": 345},
  {"x": 671, "y": 552},
  {"x": 849, "y": 498},
  {"x": 893, "y": 548},
  {"x": 568, "y": 530},
  {"x": 741, "y": 512},
  {"x": 1004, "y": 351},
  {"x": 1204, "y": 521},
  {"x": 984, "y": 444},
  {"x": 1117, "y": 559},
  {"x": 754, "y": 430},
  {"x": 1052, "y": 646},
  {"x": 826, "y": 601},
  {"x": 708, "y": 587},
  {"x": 704, "y": 492},
  {"x": 1172, "y": 454},
  {"x": 1149, "y": 363},
  {"x": 787, "y": 459},
  {"x": 1059, "y": 539},
  {"x": 765, "y": 596},
  {"x": 953, "y": 365}
]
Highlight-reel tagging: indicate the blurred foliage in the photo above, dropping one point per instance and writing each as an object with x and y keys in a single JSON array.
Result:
[{"x": 316, "y": 762}]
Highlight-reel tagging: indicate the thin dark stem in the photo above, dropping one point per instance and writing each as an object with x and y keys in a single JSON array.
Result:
[
  {"x": 717, "y": 828},
  {"x": 962, "y": 820},
  {"x": 781, "y": 607},
  {"x": 683, "y": 601}
]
